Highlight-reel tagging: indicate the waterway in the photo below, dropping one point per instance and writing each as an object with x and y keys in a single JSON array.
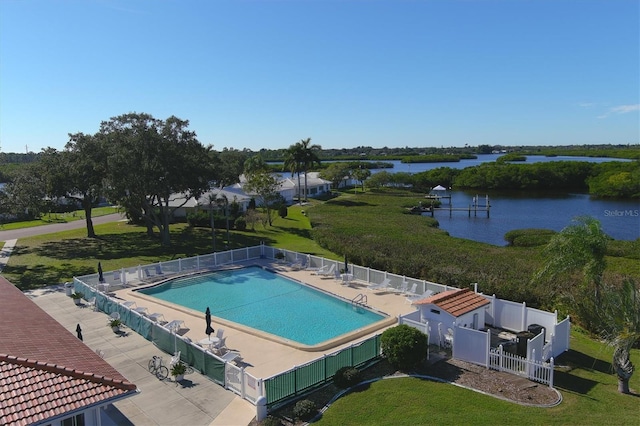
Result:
[{"x": 620, "y": 219}]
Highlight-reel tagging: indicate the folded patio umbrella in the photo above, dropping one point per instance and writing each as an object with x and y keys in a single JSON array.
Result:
[
  {"x": 79, "y": 332},
  {"x": 100, "y": 276},
  {"x": 207, "y": 318}
]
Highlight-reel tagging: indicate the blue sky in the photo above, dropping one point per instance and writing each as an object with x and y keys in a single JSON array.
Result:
[{"x": 267, "y": 73}]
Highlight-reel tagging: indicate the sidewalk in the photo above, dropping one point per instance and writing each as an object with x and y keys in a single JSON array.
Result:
[
  {"x": 194, "y": 401},
  {"x": 5, "y": 253}
]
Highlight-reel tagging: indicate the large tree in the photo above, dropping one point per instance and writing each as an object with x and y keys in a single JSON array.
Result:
[
  {"x": 336, "y": 173},
  {"x": 609, "y": 310},
  {"x": 77, "y": 173},
  {"x": 155, "y": 166}
]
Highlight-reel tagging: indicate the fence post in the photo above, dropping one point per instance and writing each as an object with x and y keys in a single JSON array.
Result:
[
  {"x": 551, "y": 366},
  {"x": 179, "y": 264},
  {"x": 500, "y": 358},
  {"x": 488, "y": 351},
  {"x": 524, "y": 316},
  {"x": 198, "y": 262}
]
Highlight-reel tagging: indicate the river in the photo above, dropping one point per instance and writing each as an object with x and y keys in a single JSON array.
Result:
[{"x": 620, "y": 219}]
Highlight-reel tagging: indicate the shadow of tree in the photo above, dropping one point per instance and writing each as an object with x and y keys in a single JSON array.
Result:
[
  {"x": 349, "y": 203},
  {"x": 564, "y": 378}
]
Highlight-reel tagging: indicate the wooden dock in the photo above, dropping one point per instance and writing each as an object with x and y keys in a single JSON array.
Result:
[{"x": 474, "y": 207}]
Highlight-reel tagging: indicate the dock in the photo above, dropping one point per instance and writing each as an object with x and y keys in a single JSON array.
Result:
[{"x": 474, "y": 207}]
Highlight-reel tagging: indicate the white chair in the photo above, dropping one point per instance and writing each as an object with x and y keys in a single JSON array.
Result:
[
  {"x": 156, "y": 317},
  {"x": 404, "y": 287},
  {"x": 219, "y": 333},
  {"x": 219, "y": 346},
  {"x": 382, "y": 286},
  {"x": 414, "y": 297},
  {"x": 328, "y": 272},
  {"x": 92, "y": 304},
  {"x": 114, "y": 315}
]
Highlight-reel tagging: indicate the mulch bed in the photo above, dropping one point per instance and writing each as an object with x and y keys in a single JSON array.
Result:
[{"x": 503, "y": 385}]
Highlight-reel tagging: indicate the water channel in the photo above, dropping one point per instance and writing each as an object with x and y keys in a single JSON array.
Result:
[{"x": 620, "y": 219}]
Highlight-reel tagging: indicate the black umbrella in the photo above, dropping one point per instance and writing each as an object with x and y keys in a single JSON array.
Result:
[
  {"x": 207, "y": 318},
  {"x": 79, "y": 331},
  {"x": 100, "y": 276}
]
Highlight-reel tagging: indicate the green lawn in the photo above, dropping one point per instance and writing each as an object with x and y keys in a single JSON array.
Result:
[
  {"x": 583, "y": 377},
  {"x": 49, "y": 218}
]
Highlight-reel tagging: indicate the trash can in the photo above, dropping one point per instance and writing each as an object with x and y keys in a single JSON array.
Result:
[
  {"x": 68, "y": 288},
  {"x": 521, "y": 339},
  {"x": 537, "y": 329}
]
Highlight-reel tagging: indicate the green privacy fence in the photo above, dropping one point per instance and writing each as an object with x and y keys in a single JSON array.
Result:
[
  {"x": 163, "y": 338},
  {"x": 303, "y": 378}
]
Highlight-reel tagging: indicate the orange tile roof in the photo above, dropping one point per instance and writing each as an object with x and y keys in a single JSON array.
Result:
[
  {"x": 455, "y": 302},
  {"x": 45, "y": 370}
]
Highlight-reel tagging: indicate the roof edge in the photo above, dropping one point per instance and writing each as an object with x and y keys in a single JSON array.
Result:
[{"x": 65, "y": 371}]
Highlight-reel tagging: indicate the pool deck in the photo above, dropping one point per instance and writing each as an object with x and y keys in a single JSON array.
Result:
[
  {"x": 263, "y": 357},
  {"x": 197, "y": 400}
]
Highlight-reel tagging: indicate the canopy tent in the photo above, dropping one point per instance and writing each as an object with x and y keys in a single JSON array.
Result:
[{"x": 439, "y": 188}]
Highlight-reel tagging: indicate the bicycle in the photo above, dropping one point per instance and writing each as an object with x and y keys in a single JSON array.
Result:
[{"x": 156, "y": 367}]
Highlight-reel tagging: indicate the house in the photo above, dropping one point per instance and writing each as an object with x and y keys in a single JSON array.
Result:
[
  {"x": 462, "y": 307},
  {"x": 288, "y": 189},
  {"x": 47, "y": 375}
]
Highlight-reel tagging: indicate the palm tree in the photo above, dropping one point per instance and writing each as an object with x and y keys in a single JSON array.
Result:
[
  {"x": 293, "y": 163},
  {"x": 308, "y": 158},
  {"x": 613, "y": 312}
]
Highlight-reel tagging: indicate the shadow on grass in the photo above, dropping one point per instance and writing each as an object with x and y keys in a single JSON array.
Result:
[{"x": 574, "y": 360}]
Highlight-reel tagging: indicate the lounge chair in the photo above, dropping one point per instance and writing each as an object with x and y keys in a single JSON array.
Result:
[
  {"x": 141, "y": 310},
  {"x": 328, "y": 272},
  {"x": 412, "y": 298},
  {"x": 386, "y": 283},
  {"x": 404, "y": 287},
  {"x": 299, "y": 265},
  {"x": 156, "y": 317},
  {"x": 412, "y": 290},
  {"x": 231, "y": 356},
  {"x": 319, "y": 271}
]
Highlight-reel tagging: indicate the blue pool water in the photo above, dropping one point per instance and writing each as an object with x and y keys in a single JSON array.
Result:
[{"x": 268, "y": 302}]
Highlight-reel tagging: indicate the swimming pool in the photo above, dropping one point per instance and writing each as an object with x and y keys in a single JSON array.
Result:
[{"x": 268, "y": 302}]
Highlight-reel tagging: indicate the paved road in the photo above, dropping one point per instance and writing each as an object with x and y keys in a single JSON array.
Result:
[{"x": 56, "y": 227}]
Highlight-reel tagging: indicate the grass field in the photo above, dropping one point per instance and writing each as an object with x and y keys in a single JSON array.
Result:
[{"x": 583, "y": 377}]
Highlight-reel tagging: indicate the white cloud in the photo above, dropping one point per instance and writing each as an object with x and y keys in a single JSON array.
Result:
[{"x": 621, "y": 109}]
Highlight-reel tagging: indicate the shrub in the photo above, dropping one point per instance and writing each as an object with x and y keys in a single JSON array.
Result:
[
  {"x": 304, "y": 409},
  {"x": 282, "y": 211},
  {"x": 199, "y": 218},
  {"x": 178, "y": 369},
  {"x": 346, "y": 377},
  {"x": 529, "y": 237},
  {"x": 404, "y": 346},
  {"x": 240, "y": 224},
  {"x": 270, "y": 421}
]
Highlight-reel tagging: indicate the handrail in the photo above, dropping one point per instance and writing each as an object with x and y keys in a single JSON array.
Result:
[{"x": 360, "y": 299}]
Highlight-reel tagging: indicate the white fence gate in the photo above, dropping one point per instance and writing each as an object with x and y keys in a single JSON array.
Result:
[{"x": 539, "y": 371}]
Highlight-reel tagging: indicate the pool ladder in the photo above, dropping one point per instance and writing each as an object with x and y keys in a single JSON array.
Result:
[{"x": 360, "y": 299}]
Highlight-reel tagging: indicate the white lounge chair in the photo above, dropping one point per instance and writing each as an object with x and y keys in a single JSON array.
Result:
[
  {"x": 404, "y": 287},
  {"x": 156, "y": 317},
  {"x": 299, "y": 264},
  {"x": 412, "y": 298},
  {"x": 231, "y": 356},
  {"x": 386, "y": 283},
  {"x": 328, "y": 272}
]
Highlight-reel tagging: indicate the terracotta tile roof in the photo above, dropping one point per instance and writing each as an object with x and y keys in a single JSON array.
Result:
[
  {"x": 45, "y": 370},
  {"x": 455, "y": 302}
]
